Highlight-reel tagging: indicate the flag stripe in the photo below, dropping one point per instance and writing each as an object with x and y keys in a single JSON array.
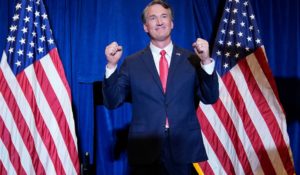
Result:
[
  {"x": 206, "y": 168},
  {"x": 253, "y": 117},
  {"x": 213, "y": 162},
  {"x": 58, "y": 96},
  {"x": 22, "y": 112},
  {"x": 261, "y": 111},
  {"x": 231, "y": 110},
  {"x": 41, "y": 121},
  {"x": 269, "y": 116},
  {"x": 260, "y": 53},
  {"x": 62, "y": 95},
  {"x": 22, "y": 125},
  {"x": 207, "y": 130},
  {"x": 2, "y": 168},
  {"x": 8, "y": 143},
  {"x": 234, "y": 137},
  {"x": 223, "y": 135},
  {"x": 47, "y": 96},
  {"x": 5, "y": 159},
  {"x": 37, "y": 95},
  {"x": 59, "y": 67},
  {"x": 10, "y": 125},
  {"x": 249, "y": 121}
]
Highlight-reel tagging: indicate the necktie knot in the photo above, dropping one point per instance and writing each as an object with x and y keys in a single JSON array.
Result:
[{"x": 162, "y": 52}]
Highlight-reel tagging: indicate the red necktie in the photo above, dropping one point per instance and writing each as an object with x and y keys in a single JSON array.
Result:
[
  {"x": 163, "y": 70},
  {"x": 163, "y": 74}
]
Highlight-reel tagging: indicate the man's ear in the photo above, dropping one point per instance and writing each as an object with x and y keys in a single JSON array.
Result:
[{"x": 145, "y": 28}]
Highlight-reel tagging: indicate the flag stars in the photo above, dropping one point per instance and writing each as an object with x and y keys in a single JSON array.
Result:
[
  {"x": 33, "y": 34},
  {"x": 31, "y": 44},
  {"x": 11, "y": 50},
  {"x": 235, "y": 11},
  {"x": 11, "y": 39},
  {"x": 29, "y": 8},
  {"x": 231, "y": 32},
  {"x": 225, "y": 20},
  {"x": 40, "y": 49},
  {"x": 43, "y": 27},
  {"x": 30, "y": 55},
  {"x": 24, "y": 30},
  {"x": 246, "y": 3},
  {"x": 252, "y": 17},
  {"x": 225, "y": 65},
  {"x": 20, "y": 52},
  {"x": 247, "y": 48},
  {"x": 27, "y": 19},
  {"x": 257, "y": 41},
  {"x": 244, "y": 14},
  {"x": 37, "y": 13},
  {"x": 13, "y": 28},
  {"x": 251, "y": 28},
  {"x": 22, "y": 41},
  {"x": 227, "y": 54},
  {"x": 220, "y": 42},
  {"x": 238, "y": 44},
  {"x": 15, "y": 17},
  {"x": 227, "y": 10},
  {"x": 18, "y": 63},
  {"x": 242, "y": 24},
  {"x": 44, "y": 16},
  {"x": 240, "y": 34},
  {"x": 42, "y": 38},
  {"x": 237, "y": 1},
  {"x": 237, "y": 55},
  {"x": 18, "y": 6},
  {"x": 50, "y": 41},
  {"x": 36, "y": 24},
  {"x": 219, "y": 53},
  {"x": 229, "y": 43},
  {"x": 232, "y": 22},
  {"x": 223, "y": 31}
]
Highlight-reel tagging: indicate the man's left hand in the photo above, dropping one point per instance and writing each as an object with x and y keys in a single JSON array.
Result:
[{"x": 201, "y": 48}]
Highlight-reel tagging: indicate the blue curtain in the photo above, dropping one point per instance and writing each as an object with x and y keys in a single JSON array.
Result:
[{"x": 82, "y": 29}]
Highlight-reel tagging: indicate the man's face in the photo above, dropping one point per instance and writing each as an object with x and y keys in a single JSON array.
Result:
[{"x": 158, "y": 23}]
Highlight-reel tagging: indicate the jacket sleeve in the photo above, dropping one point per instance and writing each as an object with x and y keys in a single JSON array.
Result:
[
  {"x": 208, "y": 87},
  {"x": 115, "y": 89}
]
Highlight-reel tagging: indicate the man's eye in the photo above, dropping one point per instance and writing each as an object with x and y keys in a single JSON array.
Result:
[{"x": 152, "y": 18}]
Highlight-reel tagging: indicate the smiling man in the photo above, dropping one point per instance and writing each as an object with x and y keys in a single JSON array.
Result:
[{"x": 165, "y": 83}]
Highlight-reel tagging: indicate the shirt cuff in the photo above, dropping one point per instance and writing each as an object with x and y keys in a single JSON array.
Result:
[
  {"x": 208, "y": 68},
  {"x": 109, "y": 71}
]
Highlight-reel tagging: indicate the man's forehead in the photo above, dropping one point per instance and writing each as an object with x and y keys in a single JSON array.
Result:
[{"x": 157, "y": 9}]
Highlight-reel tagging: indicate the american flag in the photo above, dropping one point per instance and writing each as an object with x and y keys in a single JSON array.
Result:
[
  {"x": 245, "y": 130},
  {"x": 37, "y": 132}
]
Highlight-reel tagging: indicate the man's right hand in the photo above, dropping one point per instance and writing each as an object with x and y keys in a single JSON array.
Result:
[{"x": 113, "y": 53}]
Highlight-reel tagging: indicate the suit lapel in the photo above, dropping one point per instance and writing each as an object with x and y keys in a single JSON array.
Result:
[
  {"x": 175, "y": 60},
  {"x": 147, "y": 58}
]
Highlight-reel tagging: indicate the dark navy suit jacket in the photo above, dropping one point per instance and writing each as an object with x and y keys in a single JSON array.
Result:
[{"x": 187, "y": 84}]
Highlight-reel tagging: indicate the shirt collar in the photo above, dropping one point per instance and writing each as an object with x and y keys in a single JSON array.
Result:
[{"x": 156, "y": 50}]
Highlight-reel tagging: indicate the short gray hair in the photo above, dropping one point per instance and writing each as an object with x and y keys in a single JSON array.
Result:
[{"x": 159, "y": 2}]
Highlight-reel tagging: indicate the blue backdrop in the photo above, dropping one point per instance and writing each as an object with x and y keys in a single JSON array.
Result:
[{"x": 82, "y": 29}]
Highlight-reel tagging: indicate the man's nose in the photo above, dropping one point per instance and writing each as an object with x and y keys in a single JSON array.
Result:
[{"x": 159, "y": 22}]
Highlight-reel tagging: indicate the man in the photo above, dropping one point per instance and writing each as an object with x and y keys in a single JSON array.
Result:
[{"x": 164, "y": 82}]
